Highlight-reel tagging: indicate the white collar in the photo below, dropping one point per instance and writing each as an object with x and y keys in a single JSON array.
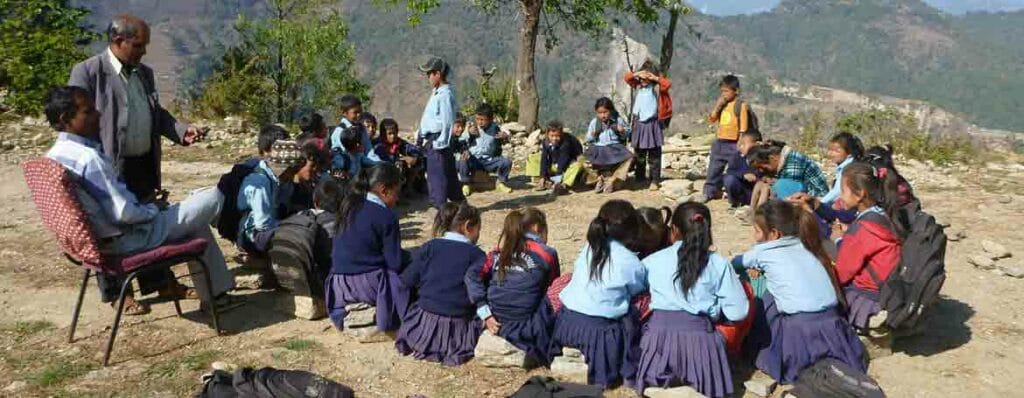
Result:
[
  {"x": 114, "y": 62},
  {"x": 455, "y": 236},
  {"x": 372, "y": 197}
]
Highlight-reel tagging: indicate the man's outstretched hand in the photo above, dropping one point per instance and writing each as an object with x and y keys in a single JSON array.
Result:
[{"x": 193, "y": 135}]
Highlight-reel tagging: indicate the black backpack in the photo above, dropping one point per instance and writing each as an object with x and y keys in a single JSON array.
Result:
[
  {"x": 916, "y": 282},
  {"x": 832, "y": 378},
  {"x": 229, "y": 185},
  {"x": 300, "y": 252},
  {"x": 546, "y": 387},
  {"x": 753, "y": 125},
  {"x": 271, "y": 383}
]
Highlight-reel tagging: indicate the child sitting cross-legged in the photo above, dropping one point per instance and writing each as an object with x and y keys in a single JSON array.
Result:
[
  {"x": 392, "y": 148},
  {"x": 558, "y": 160},
  {"x": 607, "y": 152},
  {"x": 484, "y": 146}
]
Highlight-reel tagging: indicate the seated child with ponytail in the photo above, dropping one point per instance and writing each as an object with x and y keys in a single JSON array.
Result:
[
  {"x": 691, "y": 288},
  {"x": 596, "y": 317},
  {"x": 606, "y": 151},
  {"x": 800, "y": 323},
  {"x": 509, "y": 288},
  {"x": 442, "y": 326},
  {"x": 367, "y": 255}
]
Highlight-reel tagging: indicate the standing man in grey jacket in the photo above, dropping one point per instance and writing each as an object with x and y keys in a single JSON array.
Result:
[{"x": 131, "y": 123}]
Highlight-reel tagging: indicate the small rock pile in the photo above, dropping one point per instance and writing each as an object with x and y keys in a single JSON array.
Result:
[
  {"x": 495, "y": 352},
  {"x": 994, "y": 258},
  {"x": 570, "y": 366}
]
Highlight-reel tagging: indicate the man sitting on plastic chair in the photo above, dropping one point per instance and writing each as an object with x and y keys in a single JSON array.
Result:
[{"x": 117, "y": 217}]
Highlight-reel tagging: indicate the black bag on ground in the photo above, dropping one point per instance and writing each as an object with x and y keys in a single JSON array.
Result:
[
  {"x": 300, "y": 252},
  {"x": 546, "y": 387},
  {"x": 271, "y": 383},
  {"x": 831, "y": 378},
  {"x": 915, "y": 283},
  {"x": 229, "y": 185}
]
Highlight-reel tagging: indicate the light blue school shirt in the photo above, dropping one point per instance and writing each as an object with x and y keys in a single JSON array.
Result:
[
  {"x": 598, "y": 135},
  {"x": 645, "y": 106},
  {"x": 717, "y": 292},
  {"x": 368, "y": 157},
  {"x": 485, "y": 146},
  {"x": 260, "y": 194},
  {"x": 837, "y": 185},
  {"x": 439, "y": 117},
  {"x": 794, "y": 276},
  {"x": 623, "y": 277},
  {"x": 457, "y": 237}
]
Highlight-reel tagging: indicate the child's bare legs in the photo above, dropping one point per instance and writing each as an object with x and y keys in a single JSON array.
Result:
[{"x": 762, "y": 192}]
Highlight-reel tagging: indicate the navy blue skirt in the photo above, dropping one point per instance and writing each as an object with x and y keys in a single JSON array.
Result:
[
  {"x": 382, "y": 289},
  {"x": 607, "y": 155},
  {"x": 679, "y": 348},
  {"x": 611, "y": 347},
  {"x": 533, "y": 335},
  {"x": 438, "y": 338},
  {"x": 800, "y": 340},
  {"x": 648, "y": 134},
  {"x": 863, "y": 304}
]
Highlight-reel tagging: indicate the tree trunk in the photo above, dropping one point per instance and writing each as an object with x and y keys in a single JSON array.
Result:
[
  {"x": 526, "y": 84},
  {"x": 668, "y": 41},
  {"x": 279, "y": 78}
]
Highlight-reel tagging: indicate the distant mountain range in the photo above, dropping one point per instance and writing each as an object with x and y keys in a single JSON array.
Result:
[{"x": 957, "y": 7}]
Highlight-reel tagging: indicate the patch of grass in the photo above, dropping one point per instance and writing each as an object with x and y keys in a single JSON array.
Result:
[
  {"x": 300, "y": 344},
  {"x": 189, "y": 363},
  {"x": 59, "y": 372},
  {"x": 28, "y": 328}
]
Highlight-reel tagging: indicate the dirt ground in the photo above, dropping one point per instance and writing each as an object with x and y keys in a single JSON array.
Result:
[{"x": 973, "y": 344}]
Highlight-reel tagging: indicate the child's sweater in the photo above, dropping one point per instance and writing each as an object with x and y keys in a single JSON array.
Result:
[
  {"x": 437, "y": 274},
  {"x": 517, "y": 296}
]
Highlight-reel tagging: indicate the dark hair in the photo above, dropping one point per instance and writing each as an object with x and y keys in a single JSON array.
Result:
[
  {"x": 762, "y": 153},
  {"x": 352, "y": 136},
  {"x": 654, "y": 231},
  {"x": 367, "y": 117},
  {"x": 60, "y": 105},
  {"x": 730, "y": 81},
  {"x": 384, "y": 175},
  {"x": 850, "y": 143},
  {"x": 649, "y": 66},
  {"x": 555, "y": 125},
  {"x": 386, "y": 124},
  {"x": 485, "y": 110},
  {"x": 606, "y": 103},
  {"x": 753, "y": 135},
  {"x": 328, "y": 193},
  {"x": 315, "y": 154},
  {"x": 693, "y": 220},
  {"x": 348, "y": 102},
  {"x": 879, "y": 185},
  {"x": 617, "y": 220},
  {"x": 453, "y": 215},
  {"x": 124, "y": 26},
  {"x": 460, "y": 119},
  {"x": 790, "y": 220},
  {"x": 512, "y": 242},
  {"x": 269, "y": 134},
  {"x": 312, "y": 122},
  {"x": 881, "y": 157}
]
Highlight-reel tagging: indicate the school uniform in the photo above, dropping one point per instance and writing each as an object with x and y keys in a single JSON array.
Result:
[
  {"x": 484, "y": 154},
  {"x": 869, "y": 252},
  {"x": 647, "y": 137},
  {"x": 436, "y": 133},
  {"x": 606, "y": 150},
  {"x": 517, "y": 299},
  {"x": 367, "y": 260},
  {"x": 559, "y": 163},
  {"x": 393, "y": 153},
  {"x": 664, "y": 98},
  {"x": 368, "y": 156},
  {"x": 730, "y": 126},
  {"x": 597, "y": 319},
  {"x": 680, "y": 344},
  {"x": 737, "y": 187},
  {"x": 837, "y": 185},
  {"x": 442, "y": 325},
  {"x": 263, "y": 200},
  {"x": 800, "y": 323}
]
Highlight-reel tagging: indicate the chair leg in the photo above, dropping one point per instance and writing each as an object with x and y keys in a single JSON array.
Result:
[
  {"x": 78, "y": 306},
  {"x": 177, "y": 307},
  {"x": 117, "y": 317},
  {"x": 209, "y": 293}
]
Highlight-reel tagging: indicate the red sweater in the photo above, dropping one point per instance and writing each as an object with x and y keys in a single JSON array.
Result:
[
  {"x": 869, "y": 242},
  {"x": 664, "y": 99}
]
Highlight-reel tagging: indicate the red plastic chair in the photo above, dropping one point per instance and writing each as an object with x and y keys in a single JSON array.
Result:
[{"x": 54, "y": 193}]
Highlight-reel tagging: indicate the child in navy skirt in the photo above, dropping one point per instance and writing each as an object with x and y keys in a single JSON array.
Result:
[
  {"x": 647, "y": 137},
  {"x": 801, "y": 322},
  {"x": 509, "y": 288},
  {"x": 596, "y": 317},
  {"x": 691, "y": 288},
  {"x": 442, "y": 326},
  {"x": 367, "y": 256},
  {"x": 606, "y": 151}
]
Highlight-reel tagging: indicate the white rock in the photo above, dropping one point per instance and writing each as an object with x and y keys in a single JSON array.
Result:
[
  {"x": 760, "y": 385},
  {"x": 572, "y": 353},
  {"x": 569, "y": 370},
  {"x": 16, "y": 386},
  {"x": 995, "y": 250},
  {"x": 514, "y": 127},
  {"x": 360, "y": 316},
  {"x": 676, "y": 392},
  {"x": 495, "y": 352},
  {"x": 982, "y": 261},
  {"x": 1012, "y": 271},
  {"x": 1006, "y": 199},
  {"x": 676, "y": 188}
]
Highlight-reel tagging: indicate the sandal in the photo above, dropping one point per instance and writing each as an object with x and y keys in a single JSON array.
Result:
[
  {"x": 178, "y": 291},
  {"x": 132, "y": 307}
]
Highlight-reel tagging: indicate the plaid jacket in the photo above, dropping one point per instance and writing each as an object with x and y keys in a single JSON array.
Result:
[{"x": 799, "y": 167}]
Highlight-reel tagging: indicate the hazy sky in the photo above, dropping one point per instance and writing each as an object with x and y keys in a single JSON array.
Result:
[{"x": 731, "y": 7}]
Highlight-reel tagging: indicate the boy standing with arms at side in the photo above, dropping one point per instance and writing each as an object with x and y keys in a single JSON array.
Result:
[
  {"x": 733, "y": 117},
  {"x": 435, "y": 132}
]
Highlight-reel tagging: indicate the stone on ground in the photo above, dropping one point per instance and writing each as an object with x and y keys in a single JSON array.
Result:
[
  {"x": 676, "y": 188},
  {"x": 982, "y": 261},
  {"x": 995, "y": 250},
  {"x": 360, "y": 316},
  {"x": 760, "y": 384},
  {"x": 495, "y": 352},
  {"x": 305, "y": 307},
  {"x": 569, "y": 370},
  {"x": 675, "y": 392},
  {"x": 16, "y": 386},
  {"x": 1015, "y": 271}
]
